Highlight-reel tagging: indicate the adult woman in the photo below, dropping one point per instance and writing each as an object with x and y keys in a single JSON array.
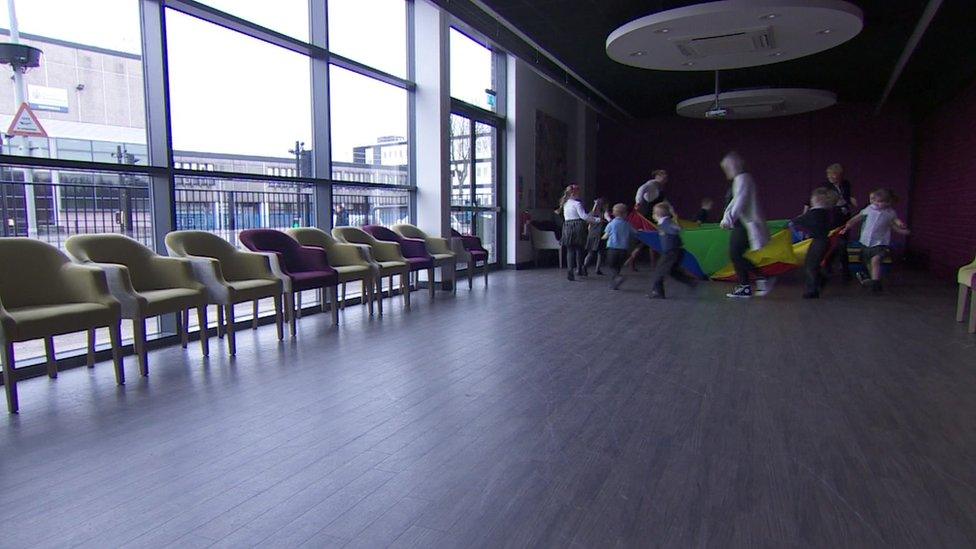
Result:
[
  {"x": 575, "y": 228},
  {"x": 744, "y": 218}
]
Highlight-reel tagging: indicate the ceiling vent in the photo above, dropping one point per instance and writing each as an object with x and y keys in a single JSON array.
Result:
[{"x": 733, "y": 43}]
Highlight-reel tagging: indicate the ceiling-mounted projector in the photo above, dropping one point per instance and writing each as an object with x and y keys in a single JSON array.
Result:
[{"x": 717, "y": 113}]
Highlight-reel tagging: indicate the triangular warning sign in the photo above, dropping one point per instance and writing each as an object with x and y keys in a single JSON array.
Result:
[{"x": 26, "y": 123}]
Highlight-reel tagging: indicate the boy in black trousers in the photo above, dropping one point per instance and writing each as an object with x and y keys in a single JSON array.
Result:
[
  {"x": 672, "y": 251},
  {"x": 818, "y": 221}
]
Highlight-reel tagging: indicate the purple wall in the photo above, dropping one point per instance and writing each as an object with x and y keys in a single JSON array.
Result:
[
  {"x": 943, "y": 220},
  {"x": 787, "y": 155}
]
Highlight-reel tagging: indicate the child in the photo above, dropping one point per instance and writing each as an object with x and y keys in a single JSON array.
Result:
[
  {"x": 818, "y": 220},
  {"x": 879, "y": 220},
  {"x": 618, "y": 234},
  {"x": 671, "y": 251},
  {"x": 596, "y": 252},
  {"x": 706, "y": 206},
  {"x": 575, "y": 221}
]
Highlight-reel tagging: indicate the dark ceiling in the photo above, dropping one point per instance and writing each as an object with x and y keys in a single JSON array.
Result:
[{"x": 575, "y": 32}]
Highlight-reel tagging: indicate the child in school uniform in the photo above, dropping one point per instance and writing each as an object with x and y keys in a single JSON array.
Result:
[
  {"x": 596, "y": 246},
  {"x": 672, "y": 251},
  {"x": 618, "y": 234},
  {"x": 879, "y": 220},
  {"x": 817, "y": 221}
]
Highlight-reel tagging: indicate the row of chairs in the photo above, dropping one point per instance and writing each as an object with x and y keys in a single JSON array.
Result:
[{"x": 108, "y": 277}]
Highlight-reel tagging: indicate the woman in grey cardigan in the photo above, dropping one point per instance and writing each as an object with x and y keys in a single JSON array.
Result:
[{"x": 744, "y": 218}]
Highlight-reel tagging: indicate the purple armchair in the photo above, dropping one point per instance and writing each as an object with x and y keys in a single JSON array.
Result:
[
  {"x": 468, "y": 248},
  {"x": 299, "y": 267},
  {"x": 414, "y": 251}
]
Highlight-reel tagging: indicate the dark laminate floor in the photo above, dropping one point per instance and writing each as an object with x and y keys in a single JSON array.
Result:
[{"x": 538, "y": 413}]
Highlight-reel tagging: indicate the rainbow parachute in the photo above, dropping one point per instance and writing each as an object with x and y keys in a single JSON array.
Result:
[{"x": 708, "y": 248}]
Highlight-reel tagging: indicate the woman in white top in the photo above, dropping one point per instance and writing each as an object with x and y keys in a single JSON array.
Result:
[
  {"x": 744, "y": 218},
  {"x": 575, "y": 220}
]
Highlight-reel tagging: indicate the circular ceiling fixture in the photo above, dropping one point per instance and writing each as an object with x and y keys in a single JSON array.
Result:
[
  {"x": 734, "y": 34},
  {"x": 757, "y": 103}
]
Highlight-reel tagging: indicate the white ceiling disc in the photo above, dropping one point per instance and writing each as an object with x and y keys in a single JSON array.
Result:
[
  {"x": 734, "y": 34},
  {"x": 757, "y": 103}
]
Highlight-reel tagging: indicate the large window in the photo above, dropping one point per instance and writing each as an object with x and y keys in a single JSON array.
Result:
[
  {"x": 231, "y": 94},
  {"x": 474, "y": 166},
  {"x": 369, "y": 129},
  {"x": 373, "y": 33},
  {"x": 472, "y": 72},
  {"x": 358, "y": 206},
  {"x": 289, "y": 17},
  {"x": 90, "y": 82}
]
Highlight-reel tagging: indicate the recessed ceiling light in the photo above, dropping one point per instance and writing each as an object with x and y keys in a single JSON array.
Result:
[
  {"x": 825, "y": 31},
  {"x": 776, "y": 54},
  {"x": 665, "y": 30},
  {"x": 689, "y": 64},
  {"x": 638, "y": 53},
  {"x": 769, "y": 16}
]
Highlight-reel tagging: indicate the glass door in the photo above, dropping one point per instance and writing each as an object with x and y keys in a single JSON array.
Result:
[{"x": 474, "y": 170}]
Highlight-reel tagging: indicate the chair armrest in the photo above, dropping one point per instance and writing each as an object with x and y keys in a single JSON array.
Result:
[
  {"x": 438, "y": 245},
  {"x": 6, "y": 321},
  {"x": 274, "y": 262},
  {"x": 208, "y": 272},
  {"x": 249, "y": 265},
  {"x": 457, "y": 246},
  {"x": 315, "y": 258},
  {"x": 175, "y": 272},
  {"x": 365, "y": 252},
  {"x": 120, "y": 286},
  {"x": 341, "y": 254},
  {"x": 387, "y": 251},
  {"x": 86, "y": 284},
  {"x": 472, "y": 242},
  {"x": 413, "y": 247}
]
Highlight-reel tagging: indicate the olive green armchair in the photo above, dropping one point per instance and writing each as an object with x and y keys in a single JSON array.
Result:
[
  {"x": 44, "y": 294},
  {"x": 230, "y": 276},
  {"x": 438, "y": 248},
  {"x": 385, "y": 257},
  {"x": 347, "y": 260},
  {"x": 145, "y": 283}
]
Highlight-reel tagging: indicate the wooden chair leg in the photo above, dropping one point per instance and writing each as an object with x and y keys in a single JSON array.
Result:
[
  {"x": 229, "y": 329},
  {"x": 254, "y": 315},
  {"x": 485, "y": 269},
  {"x": 91, "y": 348},
  {"x": 220, "y": 321},
  {"x": 430, "y": 282},
  {"x": 10, "y": 377},
  {"x": 972, "y": 312},
  {"x": 391, "y": 284},
  {"x": 115, "y": 337},
  {"x": 404, "y": 288},
  {"x": 279, "y": 318},
  {"x": 377, "y": 283},
  {"x": 471, "y": 274},
  {"x": 324, "y": 299},
  {"x": 290, "y": 301},
  {"x": 961, "y": 302},
  {"x": 204, "y": 333},
  {"x": 342, "y": 302},
  {"x": 52, "y": 363},
  {"x": 334, "y": 298},
  {"x": 367, "y": 294},
  {"x": 454, "y": 278},
  {"x": 181, "y": 329},
  {"x": 298, "y": 304},
  {"x": 139, "y": 343}
]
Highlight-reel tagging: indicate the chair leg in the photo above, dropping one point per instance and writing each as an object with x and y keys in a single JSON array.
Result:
[
  {"x": 115, "y": 337},
  {"x": 972, "y": 312},
  {"x": 368, "y": 295},
  {"x": 279, "y": 318},
  {"x": 377, "y": 283},
  {"x": 9, "y": 377},
  {"x": 298, "y": 304},
  {"x": 342, "y": 303},
  {"x": 139, "y": 342},
  {"x": 91, "y": 348},
  {"x": 220, "y": 321},
  {"x": 229, "y": 329},
  {"x": 961, "y": 302},
  {"x": 471, "y": 274},
  {"x": 204, "y": 333},
  {"x": 290, "y": 300},
  {"x": 334, "y": 298},
  {"x": 404, "y": 288},
  {"x": 254, "y": 315},
  {"x": 391, "y": 284},
  {"x": 454, "y": 278},
  {"x": 181, "y": 329},
  {"x": 485, "y": 269},
  {"x": 430, "y": 282},
  {"x": 52, "y": 363}
]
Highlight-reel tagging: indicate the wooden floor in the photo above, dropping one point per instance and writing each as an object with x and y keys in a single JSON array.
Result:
[{"x": 536, "y": 413}]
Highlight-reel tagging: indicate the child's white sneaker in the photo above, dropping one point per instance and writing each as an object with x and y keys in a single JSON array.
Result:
[{"x": 764, "y": 286}]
